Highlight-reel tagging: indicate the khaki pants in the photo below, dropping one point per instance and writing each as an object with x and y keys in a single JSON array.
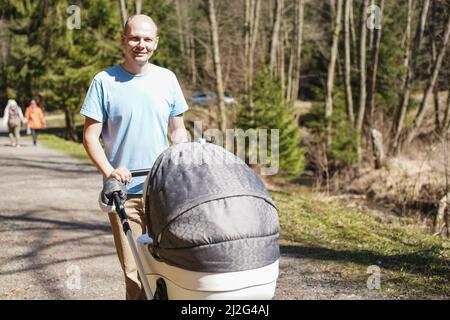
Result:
[{"x": 134, "y": 208}]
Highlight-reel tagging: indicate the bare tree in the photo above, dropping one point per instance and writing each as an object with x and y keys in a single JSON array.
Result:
[
  {"x": 180, "y": 26},
  {"x": 138, "y": 4},
  {"x": 252, "y": 14},
  {"x": 190, "y": 44},
  {"x": 296, "y": 50},
  {"x": 371, "y": 92},
  {"x": 446, "y": 120},
  {"x": 362, "y": 83},
  {"x": 407, "y": 40},
  {"x": 217, "y": 66},
  {"x": 371, "y": 33},
  {"x": 274, "y": 44},
  {"x": 331, "y": 70},
  {"x": 123, "y": 11},
  {"x": 433, "y": 35},
  {"x": 401, "y": 111},
  {"x": 430, "y": 85},
  {"x": 280, "y": 73},
  {"x": 353, "y": 32},
  {"x": 347, "y": 78}
]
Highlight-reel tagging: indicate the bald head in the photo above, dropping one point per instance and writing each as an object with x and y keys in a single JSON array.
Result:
[
  {"x": 139, "y": 41},
  {"x": 139, "y": 21}
]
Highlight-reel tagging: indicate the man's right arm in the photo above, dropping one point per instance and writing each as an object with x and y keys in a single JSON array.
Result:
[{"x": 91, "y": 142}]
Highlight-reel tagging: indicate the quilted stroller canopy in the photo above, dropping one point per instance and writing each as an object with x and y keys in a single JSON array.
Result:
[{"x": 207, "y": 211}]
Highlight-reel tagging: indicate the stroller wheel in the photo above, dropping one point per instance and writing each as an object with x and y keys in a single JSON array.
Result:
[{"x": 161, "y": 290}]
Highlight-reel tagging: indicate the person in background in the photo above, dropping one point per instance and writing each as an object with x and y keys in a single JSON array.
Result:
[
  {"x": 13, "y": 118},
  {"x": 35, "y": 118}
]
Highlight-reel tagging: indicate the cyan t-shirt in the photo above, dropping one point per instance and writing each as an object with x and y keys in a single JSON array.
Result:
[{"x": 135, "y": 112}]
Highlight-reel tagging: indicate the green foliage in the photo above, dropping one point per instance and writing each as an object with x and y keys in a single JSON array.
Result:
[
  {"x": 77, "y": 55},
  {"x": 390, "y": 67},
  {"x": 272, "y": 111}
]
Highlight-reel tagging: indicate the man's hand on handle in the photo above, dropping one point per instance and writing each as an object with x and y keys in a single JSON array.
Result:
[
  {"x": 121, "y": 174},
  {"x": 109, "y": 187}
]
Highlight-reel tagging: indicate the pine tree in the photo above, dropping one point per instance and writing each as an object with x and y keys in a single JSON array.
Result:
[
  {"x": 76, "y": 55},
  {"x": 272, "y": 111}
]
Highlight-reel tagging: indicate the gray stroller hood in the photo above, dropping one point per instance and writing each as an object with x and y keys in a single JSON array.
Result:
[{"x": 207, "y": 211}]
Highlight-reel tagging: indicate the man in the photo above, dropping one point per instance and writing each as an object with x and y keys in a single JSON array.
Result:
[{"x": 131, "y": 105}]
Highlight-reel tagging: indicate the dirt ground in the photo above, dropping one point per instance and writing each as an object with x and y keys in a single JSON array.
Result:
[{"x": 56, "y": 244}]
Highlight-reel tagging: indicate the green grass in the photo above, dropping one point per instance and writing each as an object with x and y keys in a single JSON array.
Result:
[
  {"x": 413, "y": 263},
  {"x": 72, "y": 149},
  {"x": 57, "y": 120}
]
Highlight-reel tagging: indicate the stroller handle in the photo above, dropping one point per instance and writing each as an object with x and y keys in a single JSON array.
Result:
[
  {"x": 129, "y": 234},
  {"x": 140, "y": 172}
]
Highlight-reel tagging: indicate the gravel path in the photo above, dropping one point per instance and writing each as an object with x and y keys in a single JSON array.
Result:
[{"x": 56, "y": 244}]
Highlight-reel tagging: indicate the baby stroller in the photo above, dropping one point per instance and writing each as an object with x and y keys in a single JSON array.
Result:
[{"x": 212, "y": 228}]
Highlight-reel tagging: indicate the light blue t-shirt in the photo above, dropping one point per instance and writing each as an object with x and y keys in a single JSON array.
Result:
[{"x": 135, "y": 112}]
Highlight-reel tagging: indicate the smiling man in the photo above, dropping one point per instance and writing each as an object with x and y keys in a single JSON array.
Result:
[{"x": 132, "y": 105}]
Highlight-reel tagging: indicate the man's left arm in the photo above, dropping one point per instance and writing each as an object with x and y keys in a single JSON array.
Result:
[{"x": 177, "y": 130}]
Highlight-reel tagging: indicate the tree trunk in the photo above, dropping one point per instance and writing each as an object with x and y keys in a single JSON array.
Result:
[
  {"x": 70, "y": 124},
  {"x": 353, "y": 32},
  {"x": 430, "y": 86},
  {"x": 193, "y": 62},
  {"x": 441, "y": 226},
  {"x": 252, "y": 14},
  {"x": 437, "y": 110},
  {"x": 180, "y": 25},
  {"x": 275, "y": 36},
  {"x": 377, "y": 142},
  {"x": 247, "y": 32},
  {"x": 407, "y": 42},
  {"x": 123, "y": 11},
  {"x": 401, "y": 111},
  {"x": 331, "y": 71},
  {"x": 299, "y": 18},
  {"x": 348, "y": 85},
  {"x": 281, "y": 59},
  {"x": 217, "y": 66},
  {"x": 253, "y": 38},
  {"x": 446, "y": 121},
  {"x": 433, "y": 36},
  {"x": 362, "y": 83},
  {"x": 138, "y": 4},
  {"x": 190, "y": 44},
  {"x": 371, "y": 94},
  {"x": 289, "y": 88},
  {"x": 371, "y": 31}
]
